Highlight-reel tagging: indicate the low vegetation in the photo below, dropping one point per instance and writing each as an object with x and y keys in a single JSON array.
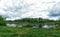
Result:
[
  {"x": 3, "y": 22},
  {"x": 28, "y": 31},
  {"x": 38, "y": 21}
]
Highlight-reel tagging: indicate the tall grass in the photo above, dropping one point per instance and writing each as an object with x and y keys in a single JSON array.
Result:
[{"x": 28, "y": 32}]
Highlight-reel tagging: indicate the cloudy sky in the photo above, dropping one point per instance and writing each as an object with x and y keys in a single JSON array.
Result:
[{"x": 16, "y": 9}]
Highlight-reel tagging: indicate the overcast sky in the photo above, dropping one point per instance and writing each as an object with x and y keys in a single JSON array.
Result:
[{"x": 15, "y": 9}]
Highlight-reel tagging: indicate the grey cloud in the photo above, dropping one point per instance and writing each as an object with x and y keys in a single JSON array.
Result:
[
  {"x": 55, "y": 11},
  {"x": 17, "y": 9},
  {"x": 20, "y": 10}
]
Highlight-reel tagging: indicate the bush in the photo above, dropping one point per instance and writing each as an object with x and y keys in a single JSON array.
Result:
[{"x": 2, "y": 21}]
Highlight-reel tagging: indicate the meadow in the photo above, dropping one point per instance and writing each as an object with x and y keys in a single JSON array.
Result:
[{"x": 28, "y": 32}]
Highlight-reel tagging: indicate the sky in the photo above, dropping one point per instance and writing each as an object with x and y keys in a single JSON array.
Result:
[{"x": 17, "y": 9}]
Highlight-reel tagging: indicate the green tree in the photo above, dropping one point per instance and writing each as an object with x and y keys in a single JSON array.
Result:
[{"x": 2, "y": 21}]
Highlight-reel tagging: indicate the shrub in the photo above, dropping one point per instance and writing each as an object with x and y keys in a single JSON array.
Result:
[{"x": 2, "y": 21}]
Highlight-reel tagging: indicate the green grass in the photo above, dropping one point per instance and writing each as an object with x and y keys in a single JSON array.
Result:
[{"x": 28, "y": 32}]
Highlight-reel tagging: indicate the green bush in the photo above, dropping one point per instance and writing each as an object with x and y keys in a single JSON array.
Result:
[{"x": 2, "y": 21}]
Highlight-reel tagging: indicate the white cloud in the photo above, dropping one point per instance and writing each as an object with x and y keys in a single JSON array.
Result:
[{"x": 26, "y": 8}]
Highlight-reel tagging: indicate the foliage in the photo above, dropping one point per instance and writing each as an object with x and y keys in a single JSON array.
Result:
[
  {"x": 28, "y": 22},
  {"x": 35, "y": 21},
  {"x": 28, "y": 32},
  {"x": 2, "y": 21}
]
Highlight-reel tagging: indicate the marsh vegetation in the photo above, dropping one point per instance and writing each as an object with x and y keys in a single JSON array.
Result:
[{"x": 29, "y": 27}]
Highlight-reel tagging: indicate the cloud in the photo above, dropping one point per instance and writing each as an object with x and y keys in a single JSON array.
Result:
[
  {"x": 55, "y": 11},
  {"x": 16, "y": 9}
]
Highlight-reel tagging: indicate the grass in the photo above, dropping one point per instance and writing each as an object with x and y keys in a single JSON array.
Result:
[{"x": 28, "y": 32}]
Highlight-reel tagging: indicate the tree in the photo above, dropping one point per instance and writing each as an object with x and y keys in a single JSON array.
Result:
[{"x": 2, "y": 21}]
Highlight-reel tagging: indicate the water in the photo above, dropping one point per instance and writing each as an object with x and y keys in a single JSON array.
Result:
[
  {"x": 48, "y": 26},
  {"x": 33, "y": 26},
  {"x": 11, "y": 25},
  {"x": 14, "y": 25}
]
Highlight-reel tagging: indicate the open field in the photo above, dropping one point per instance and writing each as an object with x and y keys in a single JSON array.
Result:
[{"x": 28, "y": 32}]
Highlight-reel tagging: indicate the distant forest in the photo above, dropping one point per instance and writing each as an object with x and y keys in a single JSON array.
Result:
[{"x": 35, "y": 21}]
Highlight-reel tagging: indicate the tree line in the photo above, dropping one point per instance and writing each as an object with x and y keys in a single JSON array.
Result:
[
  {"x": 37, "y": 21},
  {"x": 3, "y": 22}
]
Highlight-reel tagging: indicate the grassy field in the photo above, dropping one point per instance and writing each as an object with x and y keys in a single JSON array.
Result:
[{"x": 28, "y": 32}]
